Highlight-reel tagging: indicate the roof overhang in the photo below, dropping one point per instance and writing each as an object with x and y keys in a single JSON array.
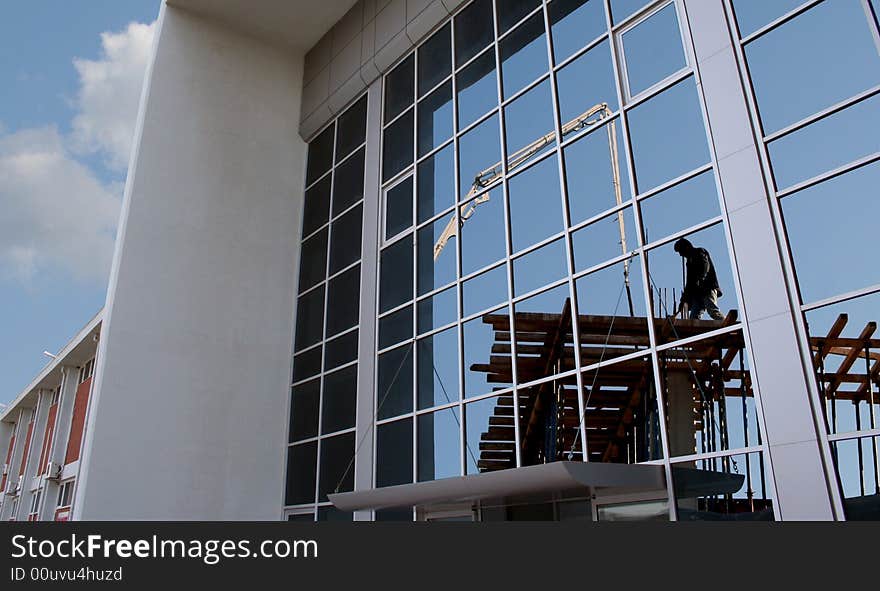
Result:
[
  {"x": 552, "y": 481},
  {"x": 294, "y": 23}
]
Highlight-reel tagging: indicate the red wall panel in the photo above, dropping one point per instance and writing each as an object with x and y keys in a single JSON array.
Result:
[
  {"x": 47, "y": 439},
  {"x": 78, "y": 421}
]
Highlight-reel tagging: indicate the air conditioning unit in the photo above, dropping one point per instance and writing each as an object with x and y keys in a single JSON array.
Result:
[{"x": 53, "y": 470}]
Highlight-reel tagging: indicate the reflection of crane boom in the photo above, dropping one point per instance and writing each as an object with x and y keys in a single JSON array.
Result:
[{"x": 490, "y": 176}]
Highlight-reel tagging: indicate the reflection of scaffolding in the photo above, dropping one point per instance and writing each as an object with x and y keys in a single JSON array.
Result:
[
  {"x": 492, "y": 176},
  {"x": 836, "y": 361},
  {"x": 620, "y": 419}
]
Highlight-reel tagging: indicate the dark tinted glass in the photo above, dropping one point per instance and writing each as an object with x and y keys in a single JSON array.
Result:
[
  {"x": 397, "y": 149},
  {"x": 304, "y": 410},
  {"x": 398, "y": 208},
  {"x": 316, "y": 210},
  {"x": 337, "y": 470},
  {"x": 394, "y": 453},
  {"x": 437, "y": 369},
  {"x": 301, "y": 467},
  {"x": 439, "y": 445},
  {"x": 341, "y": 350},
  {"x": 313, "y": 261},
  {"x": 477, "y": 89},
  {"x": 396, "y": 275},
  {"x": 523, "y": 55},
  {"x": 435, "y": 59},
  {"x": 345, "y": 241},
  {"x": 340, "y": 398},
  {"x": 343, "y": 301},
  {"x": 306, "y": 365},
  {"x": 309, "y": 318},
  {"x": 511, "y": 12},
  {"x": 396, "y": 327},
  {"x": 399, "y": 88},
  {"x": 473, "y": 30},
  {"x": 573, "y": 24},
  {"x": 435, "y": 190},
  {"x": 320, "y": 155},
  {"x": 435, "y": 119},
  {"x": 352, "y": 129},
  {"x": 348, "y": 183},
  {"x": 394, "y": 394}
]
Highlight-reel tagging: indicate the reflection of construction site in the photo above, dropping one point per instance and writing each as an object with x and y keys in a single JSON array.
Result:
[{"x": 704, "y": 384}]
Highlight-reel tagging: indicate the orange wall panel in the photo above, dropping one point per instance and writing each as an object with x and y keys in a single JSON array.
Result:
[
  {"x": 27, "y": 448},
  {"x": 47, "y": 439},
  {"x": 78, "y": 421}
]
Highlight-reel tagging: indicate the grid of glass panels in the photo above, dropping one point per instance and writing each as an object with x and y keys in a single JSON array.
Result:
[
  {"x": 540, "y": 161},
  {"x": 324, "y": 386},
  {"x": 814, "y": 68}
]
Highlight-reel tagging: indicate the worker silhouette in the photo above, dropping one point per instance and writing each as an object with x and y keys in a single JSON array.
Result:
[{"x": 701, "y": 289}]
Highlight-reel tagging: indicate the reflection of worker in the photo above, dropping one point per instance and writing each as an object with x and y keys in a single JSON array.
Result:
[{"x": 701, "y": 289}]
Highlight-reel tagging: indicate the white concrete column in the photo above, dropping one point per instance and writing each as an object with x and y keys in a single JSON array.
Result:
[
  {"x": 36, "y": 447},
  {"x": 21, "y": 423},
  {"x": 188, "y": 413},
  {"x": 796, "y": 453}
]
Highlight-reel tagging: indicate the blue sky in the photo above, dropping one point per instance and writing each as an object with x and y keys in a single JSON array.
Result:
[{"x": 71, "y": 75}]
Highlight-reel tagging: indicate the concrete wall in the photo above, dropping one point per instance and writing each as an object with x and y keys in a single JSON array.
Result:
[
  {"x": 188, "y": 415},
  {"x": 362, "y": 45}
]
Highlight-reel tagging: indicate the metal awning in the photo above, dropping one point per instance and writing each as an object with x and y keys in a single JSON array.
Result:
[{"x": 554, "y": 480}]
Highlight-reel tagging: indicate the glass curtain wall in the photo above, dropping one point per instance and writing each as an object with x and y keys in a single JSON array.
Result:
[
  {"x": 548, "y": 192},
  {"x": 324, "y": 382},
  {"x": 814, "y": 69}
]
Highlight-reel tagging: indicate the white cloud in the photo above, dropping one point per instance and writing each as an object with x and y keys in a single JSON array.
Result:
[
  {"x": 57, "y": 214},
  {"x": 110, "y": 89}
]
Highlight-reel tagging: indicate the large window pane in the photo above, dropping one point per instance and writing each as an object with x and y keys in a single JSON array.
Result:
[
  {"x": 668, "y": 136},
  {"x": 348, "y": 183},
  {"x": 320, "y": 155},
  {"x": 307, "y": 364},
  {"x": 529, "y": 118},
  {"x": 352, "y": 129},
  {"x": 343, "y": 301},
  {"x": 523, "y": 55},
  {"x": 621, "y": 9},
  {"x": 435, "y": 185},
  {"x": 340, "y": 400},
  {"x": 835, "y": 256},
  {"x": 485, "y": 290},
  {"x": 604, "y": 240},
  {"x": 437, "y": 374},
  {"x": 337, "y": 468},
  {"x": 621, "y": 416},
  {"x": 478, "y": 150},
  {"x": 478, "y": 337},
  {"x": 399, "y": 85},
  {"x": 396, "y": 327},
  {"x": 316, "y": 210},
  {"x": 666, "y": 277},
  {"x": 474, "y": 30},
  {"x": 345, "y": 240},
  {"x": 827, "y": 144},
  {"x": 482, "y": 233},
  {"x": 301, "y": 473},
  {"x": 590, "y": 173},
  {"x": 313, "y": 261},
  {"x": 341, "y": 350},
  {"x": 586, "y": 82},
  {"x": 535, "y": 204},
  {"x": 397, "y": 146},
  {"x": 439, "y": 445},
  {"x": 310, "y": 318},
  {"x": 435, "y": 59},
  {"x": 573, "y": 24},
  {"x": 438, "y": 310},
  {"x": 394, "y": 394},
  {"x": 434, "y": 273},
  {"x": 729, "y": 488},
  {"x": 845, "y": 344},
  {"x": 752, "y": 15},
  {"x": 653, "y": 50},
  {"x": 609, "y": 328},
  {"x": 823, "y": 56},
  {"x": 394, "y": 453},
  {"x": 396, "y": 275},
  {"x": 536, "y": 319},
  {"x": 304, "y": 410},
  {"x": 435, "y": 119},
  {"x": 857, "y": 472},
  {"x": 398, "y": 208},
  {"x": 539, "y": 267},
  {"x": 680, "y": 207},
  {"x": 489, "y": 435},
  {"x": 477, "y": 89},
  {"x": 511, "y": 12}
]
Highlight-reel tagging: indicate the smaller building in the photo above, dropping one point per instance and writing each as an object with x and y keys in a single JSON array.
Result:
[{"x": 41, "y": 433}]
